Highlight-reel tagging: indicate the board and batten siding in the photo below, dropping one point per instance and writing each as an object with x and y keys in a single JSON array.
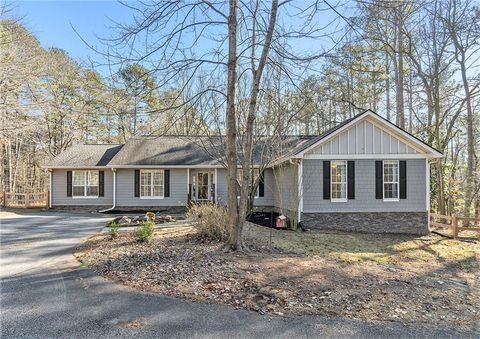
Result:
[
  {"x": 59, "y": 191},
  {"x": 364, "y": 201},
  {"x": 364, "y": 137},
  {"x": 285, "y": 194},
  {"x": 266, "y": 200},
  {"x": 126, "y": 195}
]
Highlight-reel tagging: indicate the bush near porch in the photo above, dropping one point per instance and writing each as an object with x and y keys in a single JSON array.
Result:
[{"x": 432, "y": 279}]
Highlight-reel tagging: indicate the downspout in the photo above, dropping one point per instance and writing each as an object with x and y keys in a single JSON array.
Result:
[
  {"x": 114, "y": 171},
  {"x": 50, "y": 171}
]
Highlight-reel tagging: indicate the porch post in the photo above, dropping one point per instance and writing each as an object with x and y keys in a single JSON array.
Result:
[
  {"x": 300, "y": 190},
  {"x": 188, "y": 186},
  {"x": 216, "y": 195}
]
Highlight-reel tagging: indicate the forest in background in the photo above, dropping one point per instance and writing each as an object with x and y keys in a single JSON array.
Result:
[{"x": 415, "y": 63}]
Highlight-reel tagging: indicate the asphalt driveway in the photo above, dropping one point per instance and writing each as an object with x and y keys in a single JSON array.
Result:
[{"x": 45, "y": 293}]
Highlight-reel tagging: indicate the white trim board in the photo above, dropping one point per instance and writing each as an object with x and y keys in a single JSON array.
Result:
[{"x": 367, "y": 156}]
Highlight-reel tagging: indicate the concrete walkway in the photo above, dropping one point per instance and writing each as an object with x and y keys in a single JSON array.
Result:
[{"x": 46, "y": 294}]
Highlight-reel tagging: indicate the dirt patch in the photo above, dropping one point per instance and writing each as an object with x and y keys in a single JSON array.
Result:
[{"x": 370, "y": 277}]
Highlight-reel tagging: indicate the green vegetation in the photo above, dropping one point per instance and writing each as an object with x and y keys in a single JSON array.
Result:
[
  {"x": 113, "y": 229},
  {"x": 145, "y": 232}
]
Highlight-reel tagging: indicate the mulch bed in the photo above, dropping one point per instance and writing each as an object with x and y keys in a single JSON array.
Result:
[{"x": 177, "y": 264}]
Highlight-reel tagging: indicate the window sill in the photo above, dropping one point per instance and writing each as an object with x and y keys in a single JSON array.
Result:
[
  {"x": 338, "y": 200},
  {"x": 391, "y": 199},
  {"x": 85, "y": 197},
  {"x": 152, "y": 197}
]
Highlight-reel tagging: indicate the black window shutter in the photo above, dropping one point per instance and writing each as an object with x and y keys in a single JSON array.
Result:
[
  {"x": 101, "y": 183},
  {"x": 351, "y": 179},
  {"x": 403, "y": 179},
  {"x": 137, "y": 183},
  {"x": 69, "y": 183},
  {"x": 378, "y": 179},
  {"x": 166, "y": 183},
  {"x": 261, "y": 185},
  {"x": 326, "y": 180}
]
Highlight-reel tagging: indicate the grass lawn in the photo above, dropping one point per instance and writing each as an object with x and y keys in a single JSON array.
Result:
[
  {"x": 430, "y": 280},
  {"x": 401, "y": 250}
]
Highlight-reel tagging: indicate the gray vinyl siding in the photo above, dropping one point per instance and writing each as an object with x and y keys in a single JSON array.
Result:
[
  {"x": 364, "y": 189},
  {"x": 222, "y": 186},
  {"x": 286, "y": 187},
  {"x": 126, "y": 184},
  {"x": 266, "y": 200},
  {"x": 364, "y": 138},
  {"x": 59, "y": 191}
]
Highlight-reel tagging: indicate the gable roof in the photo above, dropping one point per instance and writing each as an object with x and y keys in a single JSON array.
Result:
[
  {"x": 184, "y": 151},
  {"x": 84, "y": 156},
  {"x": 429, "y": 150},
  {"x": 313, "y": 140}
]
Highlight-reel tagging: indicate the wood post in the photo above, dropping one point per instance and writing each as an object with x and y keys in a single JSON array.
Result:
[
  {"x": 27, "y": 200},
  {"x": 454, "y": 226}
]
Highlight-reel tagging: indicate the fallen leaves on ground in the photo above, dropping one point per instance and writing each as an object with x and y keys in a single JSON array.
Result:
[{"x": 281, "y": 281}]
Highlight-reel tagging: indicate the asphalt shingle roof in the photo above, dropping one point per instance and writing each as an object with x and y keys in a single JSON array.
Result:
[
  {"x": 85, "y": 156},
  {"x": 193, "y": 151},
  {"x": 184, "y": 150}
]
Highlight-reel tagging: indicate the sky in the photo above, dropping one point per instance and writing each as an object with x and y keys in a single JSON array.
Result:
[{"x": 51, "y": 22}]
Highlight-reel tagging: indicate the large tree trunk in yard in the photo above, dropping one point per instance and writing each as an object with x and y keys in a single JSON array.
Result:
[
  {"x": 232, "y": 127},
  {"x": 252, "y": 110}
]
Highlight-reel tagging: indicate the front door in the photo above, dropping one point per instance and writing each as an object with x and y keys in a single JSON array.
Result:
[{"x": 203, "y": 186}]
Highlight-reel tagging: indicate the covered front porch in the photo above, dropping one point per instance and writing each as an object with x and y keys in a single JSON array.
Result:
[{"x": 202, "y": 184}]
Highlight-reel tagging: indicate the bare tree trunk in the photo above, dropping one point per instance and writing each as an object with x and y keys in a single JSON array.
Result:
[
  {"x": 252, "y": 110},
  {"x": 387, "y": 85},
  {"x": 410, "y": 101},
  {"x": 232, "y": 127},
  {"x": 400, "y": 71},
  {"x": 440, "y": 189}
]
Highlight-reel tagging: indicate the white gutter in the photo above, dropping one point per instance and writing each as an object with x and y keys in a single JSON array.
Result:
[{"x": 114, "y": 192}]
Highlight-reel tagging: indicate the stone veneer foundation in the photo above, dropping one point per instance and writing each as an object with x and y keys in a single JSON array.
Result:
[{"x": 370, "y": 222}]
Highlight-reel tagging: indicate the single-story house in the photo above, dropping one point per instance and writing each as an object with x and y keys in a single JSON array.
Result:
[{"x": 365, "y": 174}]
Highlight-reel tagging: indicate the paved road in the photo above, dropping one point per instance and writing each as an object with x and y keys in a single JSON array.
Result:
[{"x": 45, "y": 293}]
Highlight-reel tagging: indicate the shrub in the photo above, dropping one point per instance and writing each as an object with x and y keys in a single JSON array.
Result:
[
  {"x": 210, "y": 221},
  {"x": 145, "y": 232},
  {"x": 113, "y": 231}
]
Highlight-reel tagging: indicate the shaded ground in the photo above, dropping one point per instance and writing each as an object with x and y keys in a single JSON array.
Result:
[
  {"x": 45, "y": 293},
  {"x": 432, "y": 280}
]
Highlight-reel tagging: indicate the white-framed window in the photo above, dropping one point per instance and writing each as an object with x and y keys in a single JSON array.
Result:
[
  {"x": 391, "y": 180},
  {"x": 338, "y": 181},
  {"x": 254, "y": 177},
  {"x": 151, "y": 184},
  {"x": 85, "y": 184}
]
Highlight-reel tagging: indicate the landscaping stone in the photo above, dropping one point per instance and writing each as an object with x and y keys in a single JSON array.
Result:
[{"x": 125, "y": 221}]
